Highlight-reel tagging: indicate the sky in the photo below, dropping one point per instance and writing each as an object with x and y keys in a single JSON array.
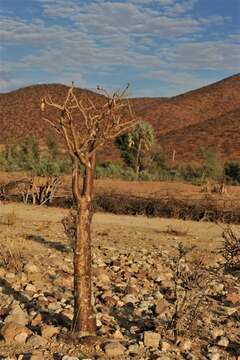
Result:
[{"x": 160, "y": 47}]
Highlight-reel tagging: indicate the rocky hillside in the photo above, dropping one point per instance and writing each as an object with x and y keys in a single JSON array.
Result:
[
  {"x": 139, "y": 283},
  {"x": 205, "y": 117}
]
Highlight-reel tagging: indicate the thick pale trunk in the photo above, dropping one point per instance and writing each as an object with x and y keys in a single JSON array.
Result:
[{"x": 84, "y": 322}]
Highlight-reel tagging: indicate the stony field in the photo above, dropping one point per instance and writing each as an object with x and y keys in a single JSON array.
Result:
[{"x": 153, "y": 301}]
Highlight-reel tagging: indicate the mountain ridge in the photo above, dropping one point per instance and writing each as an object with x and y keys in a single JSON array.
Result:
[{"x": 179, "y": 121}]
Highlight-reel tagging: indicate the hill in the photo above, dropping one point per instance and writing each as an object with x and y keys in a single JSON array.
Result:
[{"x": 205, "y": 117}]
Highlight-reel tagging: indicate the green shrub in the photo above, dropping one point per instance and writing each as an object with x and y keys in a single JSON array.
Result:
[
  {"x": 53, "y": 147},
  {"x": 136, "y": 146},
  {"x": 212, "y": 165},
  {"x": 232, "y": 172},
  {"x": 109, "y": 169}
]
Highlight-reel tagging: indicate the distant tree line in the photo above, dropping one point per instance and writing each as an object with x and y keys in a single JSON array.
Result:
[{"x": 141, "y": 159}]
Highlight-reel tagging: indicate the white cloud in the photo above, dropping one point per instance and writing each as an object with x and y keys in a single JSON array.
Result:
[{"x": 76, "y": 38}]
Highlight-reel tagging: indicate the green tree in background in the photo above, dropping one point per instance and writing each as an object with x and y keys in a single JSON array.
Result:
[
  {"x": 136, "y": 146},
  {"x": 212, "y": 165}
]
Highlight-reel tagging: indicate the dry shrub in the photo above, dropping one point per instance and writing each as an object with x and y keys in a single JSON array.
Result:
[
  {"x": 8, "y": 219},
  {"x": 231, "y": 249},
  {"x": 191, "y": 279},
  {"x": 11, "y": 257}
]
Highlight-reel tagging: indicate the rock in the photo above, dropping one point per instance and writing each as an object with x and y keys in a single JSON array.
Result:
[
  {"x": 186, "y": 345},
  {"x": 30, "y": 288},
  {"x": 10, "y": 276},
  {"x": 129, "y": 299},
  {"x": 165, "y": 346},
  {"x": 49, "y": 331},
  {"x": 114, "y": 349},
  {"x": 36, "y": 341},
  {"x": 118, "y": 335},
  {"x": 151, "y": 339},
  {"x": 213, "y": 353},
  {"x": 104, "y": 278},
  {"x": 31, "y": 268},
  {"x": 162, "y": 307},
  {"x": 21, "y": 338},
  {"x": 68, "y": 314},
  {"x": 17, "y": 315},
  {"x": 234, "y": 298},
  {"x": 214, "y": 356},
  {"x": 217, "y": 332},
  {"x": 36, "y": 320},
  {"x": 10, "y": 330},
  {"x": 223, "y": 341},
  {"x": 133, "y": 349}
]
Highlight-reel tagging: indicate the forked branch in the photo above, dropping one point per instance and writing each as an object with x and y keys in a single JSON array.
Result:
[{"x": 86, "y": 125}]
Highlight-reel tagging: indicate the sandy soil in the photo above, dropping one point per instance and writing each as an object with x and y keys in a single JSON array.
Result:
[{"x": 122, "y": 230}]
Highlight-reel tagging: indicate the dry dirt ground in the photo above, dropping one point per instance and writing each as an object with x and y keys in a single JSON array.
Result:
[
  {"x": 132, "y": 188},
  {"x": 31, "y": 234}
]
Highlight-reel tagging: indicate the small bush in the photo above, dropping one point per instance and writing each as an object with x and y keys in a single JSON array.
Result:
[
  {"x": 191, "y": 280},
  {"x": 231, "y": 249}
]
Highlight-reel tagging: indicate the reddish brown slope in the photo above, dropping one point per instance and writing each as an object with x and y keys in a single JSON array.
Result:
[
  {"x": 20, "y": 115},
  {"x": 195, "y": 106},
  {"x": 221, "y": 133}
]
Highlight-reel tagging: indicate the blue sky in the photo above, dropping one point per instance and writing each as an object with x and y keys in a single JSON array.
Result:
[{"x": 162, "y": 47}]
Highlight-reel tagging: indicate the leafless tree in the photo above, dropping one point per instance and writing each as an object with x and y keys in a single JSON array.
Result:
[{"x": 86, "y": 126}]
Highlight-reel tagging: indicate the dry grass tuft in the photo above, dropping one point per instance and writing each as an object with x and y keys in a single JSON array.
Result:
[
  {"x": 11, "y": 257},
  {"x": 8, "y": 219}
]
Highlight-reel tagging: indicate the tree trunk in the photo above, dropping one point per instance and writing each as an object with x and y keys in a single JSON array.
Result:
[
  {"x": 84, "y": 322},
  {"x": 137, "y": 166}
]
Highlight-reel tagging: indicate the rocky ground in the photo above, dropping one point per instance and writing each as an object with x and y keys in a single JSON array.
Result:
[{"x": 153, "y": 300}]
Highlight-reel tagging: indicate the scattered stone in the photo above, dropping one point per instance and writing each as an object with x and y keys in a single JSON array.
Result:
[
  {"x": 186, "y": 345},
  {"x": 118, "y": 335},
  {"x": 114, "y": 349},
  {"x": 17, "y": 315},
  {"x": 223, "y": 342},
  {"x": 36, "y": 320},
  {"x": 36, "y": 341},
  {"x": 48, "y": 331},
  {"x": 31, "y": 268},
  {"x": 10, "y": 330},
  {"x": 151, "y": 339},
  {"x": 133, "y": 349},
  {"x": 30, "y": 288},
  {"x": 165, "y": 346},
  {"x": 21, "y": 338},
  {"x": 217, "y": 333}
]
